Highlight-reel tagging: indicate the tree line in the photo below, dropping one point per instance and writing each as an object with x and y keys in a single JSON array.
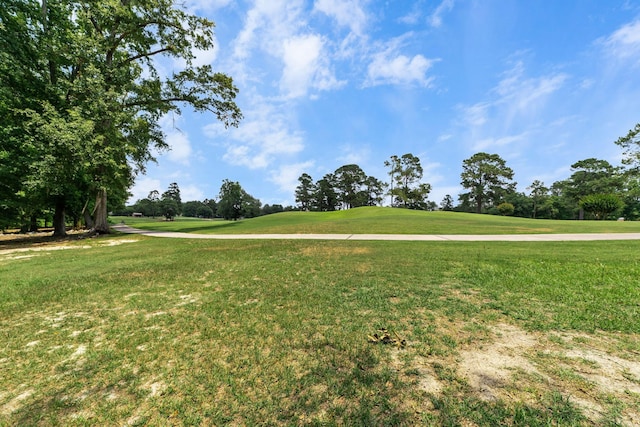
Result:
[
  {"x": 349, "y": 187},
  {"x": 595, "y": 189},
  {"x": 232, "y": 203}
]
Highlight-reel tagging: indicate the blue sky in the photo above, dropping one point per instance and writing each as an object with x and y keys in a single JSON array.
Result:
[{"x": 324, "y": 83}]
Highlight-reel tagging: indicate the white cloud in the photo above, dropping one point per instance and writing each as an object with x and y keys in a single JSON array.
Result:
[
  {"x": 522, "y": 93},
  {"x": 264, "y": 136},
  {"x": 180, "y": 148},
  {"x": 624, "y": 43},
  {"x": 391, "y": 68},
  {"x": 143, "y": 187},
  {"x": 435, "y": 20},
  {"x": 286, "y": 176},
  {"x": 178, "y": 141},
  {"x": 438, "y": 193},
  {"x": 514, "y": 112},
  {"x": 305, "y": 66},
  {"x": 266, "y": 25},
  {"x": 207, "y": 5},
  {"x": 278, "y": 29},
  {"x": 191, "y": 192},
  {"x": 492, "y": 143},
  {"x": 354, "y": 154},
  {"x": 348, "y": 13},
  {"x": 476, "y": 115},
  {"x": 411, "y": 18}
]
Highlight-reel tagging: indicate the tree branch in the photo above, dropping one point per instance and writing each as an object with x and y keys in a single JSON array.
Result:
[{"x": 146, "y": 55}]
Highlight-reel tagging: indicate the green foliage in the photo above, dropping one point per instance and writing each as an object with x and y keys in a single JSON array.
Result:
[
  {"x": 230, "y": 200},
  {"x": 169, "y": 208},
  {"x": 348, "y": 186},
  {"x": 539, "y": 196},
  {"x": 305, "y": 192},
  {"x": 204, "y": 211},
  {"x": 601, "y": 205},
  {"x": 349, "y": 180},
  {"x": 406, "y": 190},
  {"x": 173, "y": 193},
  {"x": 326, "y": 196},
  {"x": 487, "y": 178},
  {"x": 83, "y": 66},
  {"x": 631, "y": 145},
  {"x": 447, "y": 203},
  {"x": 235, "y": 203},
  {"x": 505, "y": 209}
]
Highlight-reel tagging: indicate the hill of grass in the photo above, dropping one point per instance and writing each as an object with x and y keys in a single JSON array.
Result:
[{"x": 377, "y": 220}]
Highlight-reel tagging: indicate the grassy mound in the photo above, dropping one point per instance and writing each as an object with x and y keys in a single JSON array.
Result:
[{"x": 376, "y": 220}]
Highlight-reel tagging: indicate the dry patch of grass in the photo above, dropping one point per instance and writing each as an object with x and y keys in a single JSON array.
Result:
[
  {"x": 333, "y": 251},
  {"x": 496, "y": 362},
  {"x": 32, "y": 250}
]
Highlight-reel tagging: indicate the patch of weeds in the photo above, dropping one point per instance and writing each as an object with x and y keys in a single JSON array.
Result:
[
  {"x": 557, "y": 340},
  {"x": 414, "y": 372},
  {"x": 448, "y": 341},
  {"x": 446, "y": 373},
  {"x": 563, "y": 411},
  {"x": 614, "y": 411}
]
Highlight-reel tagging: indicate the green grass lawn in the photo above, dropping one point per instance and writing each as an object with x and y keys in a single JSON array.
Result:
[
  {"x": 376, "y": 220},
  {"x": 132, "y": 330}
]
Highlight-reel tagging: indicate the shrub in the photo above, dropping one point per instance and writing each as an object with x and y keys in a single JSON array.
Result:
[
  {"x": 601, "y": 205},
  {"x": 506, "y": 209}
]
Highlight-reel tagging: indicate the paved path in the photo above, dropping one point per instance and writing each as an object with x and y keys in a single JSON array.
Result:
[{"x": 409, "y": 237}]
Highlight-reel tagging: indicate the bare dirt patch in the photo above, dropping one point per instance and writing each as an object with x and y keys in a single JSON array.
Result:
[
  {"x": 29, "y": 248},
  {"x": 519, "y": 365},
  {"x": 488, "y": 369},
  {"x": 15, "y": 403}
]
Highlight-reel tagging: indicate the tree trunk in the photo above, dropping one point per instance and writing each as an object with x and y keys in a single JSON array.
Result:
[
  {"x": 33, "y": 226},
  {"x": 59, "y": 220},
  {"x": 88, "y": 221},
  {"x": 100, "y": 213}
]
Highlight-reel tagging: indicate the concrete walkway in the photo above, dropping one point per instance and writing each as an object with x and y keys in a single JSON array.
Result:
[{"x": 408, "y": 237}]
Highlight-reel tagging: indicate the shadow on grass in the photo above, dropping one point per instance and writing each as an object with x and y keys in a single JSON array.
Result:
[
  {"x": 17, "y": 239},
  {"x": 456, "y": 411},
  {"x": 347, "y": 387}
]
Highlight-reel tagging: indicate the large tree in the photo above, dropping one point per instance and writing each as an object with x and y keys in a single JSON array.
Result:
[
  {"x": 235, "y": 203},
  {"x": 487, "y": 178},
  {"x": 173, "y": 193},
  {"x": 326, "y": 197},
  {"x": 349, "y": 181},
  {"x": 230, "y": 200},
  {"x": 94, "y": 65},
  {"x": 601, "y": 205},
  {"x": 374, "y": 190},
  {"x": 406, "y": 190},
  {"x": 591, "y": 176},
  {"x": 631, "y": 145},
  {"x": 539, "y": 195},
  {"x": 305, "y": 192}
]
